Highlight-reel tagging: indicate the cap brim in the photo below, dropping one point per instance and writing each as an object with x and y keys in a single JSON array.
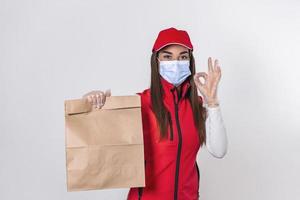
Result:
[{"x": 174, "y": 43}]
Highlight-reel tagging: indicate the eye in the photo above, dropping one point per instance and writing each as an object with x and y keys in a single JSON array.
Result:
[
  {"x": 167, "y": 57},
  {"x": 185, "y": 57}
]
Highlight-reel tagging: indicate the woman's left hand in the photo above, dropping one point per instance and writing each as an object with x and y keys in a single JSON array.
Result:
[{"x": 209, "y": 88}]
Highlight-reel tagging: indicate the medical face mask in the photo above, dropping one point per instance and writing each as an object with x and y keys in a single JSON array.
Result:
[{"x": 175, "y": 71}]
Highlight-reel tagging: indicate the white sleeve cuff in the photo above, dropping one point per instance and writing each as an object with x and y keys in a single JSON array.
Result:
[{"x": 216, "y": 137}]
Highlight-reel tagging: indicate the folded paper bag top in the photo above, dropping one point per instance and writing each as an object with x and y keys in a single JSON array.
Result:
[
  {"x": 76, "y": 106},
  {"x": 104, "y": 147}
]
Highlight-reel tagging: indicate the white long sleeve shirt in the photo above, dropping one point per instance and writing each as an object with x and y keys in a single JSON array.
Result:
[{"x": 216, "y": 137}]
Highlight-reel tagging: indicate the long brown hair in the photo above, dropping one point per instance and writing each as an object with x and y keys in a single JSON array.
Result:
[{"x": 161, "y": 113}]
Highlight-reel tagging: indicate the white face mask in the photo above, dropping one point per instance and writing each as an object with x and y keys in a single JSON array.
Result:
[{"x": 175, "y": 71}]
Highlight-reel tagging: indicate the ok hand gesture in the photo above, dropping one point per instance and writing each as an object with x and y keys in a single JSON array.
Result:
[{"x": 209, "y": 88}]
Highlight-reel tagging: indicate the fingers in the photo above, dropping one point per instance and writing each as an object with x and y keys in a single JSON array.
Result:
[
  {"x": 200, "y": 74},
  {"x": 97, "y": 101},
  {"x": 97, "y": 98},
  {"x": 197, "y": 78},
  {"x": 210, "y": 67},
  {"x": 216, "y": 63},
  {"x": 215, "y": 67},
  {"x": 100, "y": 100}
]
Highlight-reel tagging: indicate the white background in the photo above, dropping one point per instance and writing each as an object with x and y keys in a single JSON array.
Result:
[{"x": 61, "y": 49}]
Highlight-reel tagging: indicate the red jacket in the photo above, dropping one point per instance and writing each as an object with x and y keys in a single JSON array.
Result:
[{"x": 171, "y": 170}]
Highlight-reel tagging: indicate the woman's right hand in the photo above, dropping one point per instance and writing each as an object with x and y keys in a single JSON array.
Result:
[{"x": 97, "y": 98}]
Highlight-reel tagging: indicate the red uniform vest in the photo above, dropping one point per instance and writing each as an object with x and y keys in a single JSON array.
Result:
[{"x": 171, "y": 170}]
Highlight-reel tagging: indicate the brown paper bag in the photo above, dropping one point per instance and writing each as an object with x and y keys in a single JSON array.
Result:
[{"x": 104, "y": 147}]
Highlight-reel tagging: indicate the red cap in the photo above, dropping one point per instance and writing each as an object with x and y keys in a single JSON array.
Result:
[{"x": 172, "y": 36}]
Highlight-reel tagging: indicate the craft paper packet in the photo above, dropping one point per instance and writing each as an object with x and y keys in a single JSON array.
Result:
[{"x": 104, "y": 147}]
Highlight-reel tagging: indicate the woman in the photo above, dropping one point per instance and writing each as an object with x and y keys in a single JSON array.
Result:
[{"x": 176, "y": 121}]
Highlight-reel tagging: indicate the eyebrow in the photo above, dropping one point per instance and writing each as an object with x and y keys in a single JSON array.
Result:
[{"x": 168, "y": 52}]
